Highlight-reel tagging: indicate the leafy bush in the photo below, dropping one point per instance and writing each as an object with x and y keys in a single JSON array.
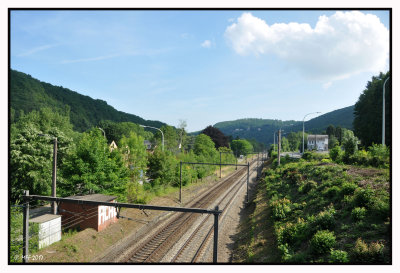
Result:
[
  {"x": 292, "y": 233},
  {"x": 336, "y": 153},
  {"x": 364, "y": 253},
  {"x": 348, "y": 188},
  {"x": 325, "y": 219},
  {"x": 308, "y": 186},
  {"x": 380, "y": 155},
  {"x": 323, "y": 241},
  {"x": 338, "y": 256},
  {"x": 280, "y": 208},
  {"x": 307, "y": 155},
  {"x": 332, "y": 192},
  {"x": 358, "y": 214},
  {"x": 363, "y": 197}
]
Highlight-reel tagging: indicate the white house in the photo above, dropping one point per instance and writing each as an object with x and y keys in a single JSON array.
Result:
[{"x": 317, "y": 142}]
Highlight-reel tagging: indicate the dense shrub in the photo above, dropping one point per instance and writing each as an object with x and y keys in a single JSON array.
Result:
[
  {"x": 338, "y": 256},
  {"x": 358, "y": 214},
  {"x": 307, "y": 155},
  {"x": 292, "y": 233},
  {"x": 336, "y": 153},
  {"x": 379, "y": 155},
  {"x": 323, "y": 241},
  {"x": 364, "y": 253},
  {"x": 325, "y": 220},
  {"x": 363, "y": 197},
  {"x": 348, "y": 188},
  {"x": 280, "y": 208},
  {"x": 307, "y": 186},
  {"x": 332, "y": 192}
]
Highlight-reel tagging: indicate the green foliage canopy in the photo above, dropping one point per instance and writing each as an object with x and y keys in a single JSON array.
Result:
[{"x": 368, "y": 112}]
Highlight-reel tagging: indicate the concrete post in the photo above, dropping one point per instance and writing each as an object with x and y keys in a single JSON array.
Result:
[{"x": 25, "y": 236}]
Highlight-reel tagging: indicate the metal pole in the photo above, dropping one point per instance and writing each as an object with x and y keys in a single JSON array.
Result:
[
  {"x": 302, "y": 150},
  {"x": 215, "y": 252},
  {"x": 236, "y": 160},
  {"x": 274, "y": 141},
  {"x": 383, "y": 113},
  {"x": 25, "y": 236},
  {"x": 279, "y": 147},
  {"x": 220, "y": 164},
  {"x": 180, "y": 183},
  {"x": 162, "y": 134},
  {"x": 303, "y": 127},
  {"x": 248, "y": 174},
  {"x": 54, "y": 185}
]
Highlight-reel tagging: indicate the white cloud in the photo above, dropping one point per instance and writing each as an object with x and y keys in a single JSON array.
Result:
[
  {"x": 206, "y": 44},
  {"x": 327, "y": 85},
  {"x": 98, "y": 58},
  {"x": 36, "y": 49},
  {"x": 339, "y": 46}
]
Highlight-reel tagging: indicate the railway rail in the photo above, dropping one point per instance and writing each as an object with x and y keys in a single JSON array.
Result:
[{"x": 154, "y": 248}]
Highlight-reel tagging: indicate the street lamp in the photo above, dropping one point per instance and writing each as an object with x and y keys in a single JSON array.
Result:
[
  {"x": 383, "y": 113},
  {"x": 104, "y": 133},
  {"x": 162, "y": 134},
  {"x": 54, "y": 176},
  {"x": 302, "y": 152}
]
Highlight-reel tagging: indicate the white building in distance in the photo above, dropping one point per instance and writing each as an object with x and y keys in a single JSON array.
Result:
[{"x": 317, "y": 142}]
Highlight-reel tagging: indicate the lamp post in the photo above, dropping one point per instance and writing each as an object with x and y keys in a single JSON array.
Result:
[
  {"x": 104, "y": 133},
  {"x": 302, "y": 151},
  {"x": 383, "y": 113},
  {"x": 162, "y": 134},
  {"x": 54, "y": 176}
]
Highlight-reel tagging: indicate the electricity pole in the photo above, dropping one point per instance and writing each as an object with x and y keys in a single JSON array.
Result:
[{"x": 279, "y": 147}]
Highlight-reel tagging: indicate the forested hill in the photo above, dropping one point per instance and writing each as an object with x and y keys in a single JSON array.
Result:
[
  {"x": 27, "y": 94},
  {"x": 263, "y": 130}
]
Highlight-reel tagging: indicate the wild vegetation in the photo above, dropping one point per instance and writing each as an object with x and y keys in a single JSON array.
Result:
[{"x": 323, "y": 212}]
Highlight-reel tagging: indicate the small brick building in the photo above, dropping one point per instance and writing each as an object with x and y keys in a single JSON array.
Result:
[{"x": 88, "y": 216}]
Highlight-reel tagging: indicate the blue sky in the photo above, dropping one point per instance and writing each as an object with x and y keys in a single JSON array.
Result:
[{"x": 205, "y": 66}]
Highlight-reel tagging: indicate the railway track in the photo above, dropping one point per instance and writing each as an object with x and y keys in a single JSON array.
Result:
[
  {"x": 193, "y": 247},
  {"x": 153, "y": 249}
]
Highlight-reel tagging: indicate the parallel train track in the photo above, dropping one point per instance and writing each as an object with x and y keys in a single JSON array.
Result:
[{"x": 154, "y": 248}]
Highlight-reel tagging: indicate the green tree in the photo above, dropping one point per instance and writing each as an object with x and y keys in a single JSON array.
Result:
[
  {"x": 204, "y": 146},
  {"x": 295, "y": 139},
  {"x": 135, "y": 155},
  {"x": 330, "y": 130},
  {"x": 241, "y": 147},
  {"x": 216, "y": 136},
  {"x": 115, "y": 131},
  {"x": 31, "y": 155},
  {"x": 339, "y": 134},
  {"x": 332, "y": 141},
  {"x": 349, "y": 142},
  {"x": 285, "y": 145},
  {"x": 368, "y": 112},
  {"x": 94, "y": 168},
  {"x": 162, "y": 168}
]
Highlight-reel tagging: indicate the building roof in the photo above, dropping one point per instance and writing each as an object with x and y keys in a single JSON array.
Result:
[
  {"x": 44, "y": 218},
  {"x": 319, "y": 137},
  {"x": 94, "y": 197}
]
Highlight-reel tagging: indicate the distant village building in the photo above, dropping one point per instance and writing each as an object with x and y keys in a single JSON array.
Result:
[
  {"x": 88, "y": 216},
  {"x": 113, "y": 146},
  {"x": 147, "y": 144},
  {"x": 317, "y": 142}
]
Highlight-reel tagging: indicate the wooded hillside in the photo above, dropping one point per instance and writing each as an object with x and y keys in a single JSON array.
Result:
[{"x": 27, "y": 94}]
